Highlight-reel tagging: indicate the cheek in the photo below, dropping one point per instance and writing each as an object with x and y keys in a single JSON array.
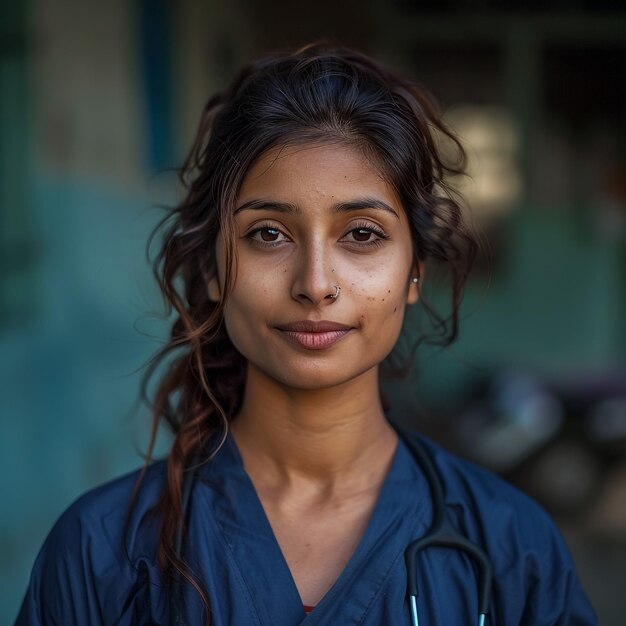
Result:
[
  {"x": 249, "y": 305},
  {"x": 381, "y": 316},
  {"x": 238, "y": 329},
  {"x": 381, "y": 294}
]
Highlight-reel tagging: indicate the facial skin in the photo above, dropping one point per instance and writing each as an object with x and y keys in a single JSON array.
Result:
[{"x": 289, "y": 262}]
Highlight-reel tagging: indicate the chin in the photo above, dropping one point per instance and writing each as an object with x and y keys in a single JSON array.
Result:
[{"x": 315, "y": 379}]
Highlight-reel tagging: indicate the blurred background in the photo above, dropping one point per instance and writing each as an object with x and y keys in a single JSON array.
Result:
[{"x": 98, "y": 102}]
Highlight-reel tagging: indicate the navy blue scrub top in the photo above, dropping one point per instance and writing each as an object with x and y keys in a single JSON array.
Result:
[{"x": 83, "y": 575}]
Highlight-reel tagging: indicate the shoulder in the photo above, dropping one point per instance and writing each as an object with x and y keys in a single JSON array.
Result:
[
  {"x": 534, "y": 574},
  {"x": 101, "y": 513},
  {"x": 99, "y": 550},
  {"x": 514, "y": 528},
  {"x": 475, "y": 488}
]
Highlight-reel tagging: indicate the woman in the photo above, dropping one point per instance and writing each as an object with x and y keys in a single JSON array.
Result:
[{"x": 315, "y": 202}]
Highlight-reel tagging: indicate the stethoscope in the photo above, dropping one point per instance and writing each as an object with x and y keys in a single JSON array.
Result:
[{"x": 442, "y": 533}]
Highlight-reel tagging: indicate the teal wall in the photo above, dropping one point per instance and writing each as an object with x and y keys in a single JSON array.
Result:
[{"x": 70, "y": 374}]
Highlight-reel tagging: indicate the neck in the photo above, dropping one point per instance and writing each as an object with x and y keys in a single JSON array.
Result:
[{"x": 327, "y": 436}]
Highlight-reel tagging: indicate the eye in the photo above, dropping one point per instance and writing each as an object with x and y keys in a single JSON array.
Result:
[
  {"x": 362, "y": 234},
  {"x": 266, "y": 235},
  {"x": 366, "y": 234}
]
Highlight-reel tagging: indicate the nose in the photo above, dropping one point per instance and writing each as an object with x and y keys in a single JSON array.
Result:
[{"x": 314, "y": 278}]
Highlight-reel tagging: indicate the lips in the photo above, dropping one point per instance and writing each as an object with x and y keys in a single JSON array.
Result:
[
  {"x": 307, "y": 326},
  {"x": 314, "y": 335}
]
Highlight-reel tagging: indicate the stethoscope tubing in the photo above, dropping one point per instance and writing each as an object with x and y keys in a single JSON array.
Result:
[{"x": 442, "y": 533}]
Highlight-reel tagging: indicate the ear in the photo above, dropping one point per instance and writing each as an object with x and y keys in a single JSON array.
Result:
[
  {"x": 413, "y": 292},
  {"x": 214, "y": 290}
]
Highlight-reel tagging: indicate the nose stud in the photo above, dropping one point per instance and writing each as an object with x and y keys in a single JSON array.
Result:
[{"x": 334, "y": 296}]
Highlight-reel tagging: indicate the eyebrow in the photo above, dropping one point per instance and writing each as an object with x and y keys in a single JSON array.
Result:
[{"x": 341, "y": 207}]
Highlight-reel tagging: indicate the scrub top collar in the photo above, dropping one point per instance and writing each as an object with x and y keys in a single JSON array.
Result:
[{"x": 402, "y": 512}]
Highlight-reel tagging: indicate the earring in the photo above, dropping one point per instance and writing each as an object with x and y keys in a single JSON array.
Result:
[{"x": 415, "y": 279}]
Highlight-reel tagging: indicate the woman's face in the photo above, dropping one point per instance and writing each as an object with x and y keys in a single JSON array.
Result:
[{"x": 310, "y": 218}]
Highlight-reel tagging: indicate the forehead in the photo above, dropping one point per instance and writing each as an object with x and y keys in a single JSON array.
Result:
[{"x": 315, "y": 171}]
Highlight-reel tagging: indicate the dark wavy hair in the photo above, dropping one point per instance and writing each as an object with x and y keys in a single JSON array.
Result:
[{"x": 321, "y": 92}]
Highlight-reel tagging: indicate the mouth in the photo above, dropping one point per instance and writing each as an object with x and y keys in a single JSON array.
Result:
[
  {"x": 308, "y": 326},
  {"x": 314, "y": 335}
]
